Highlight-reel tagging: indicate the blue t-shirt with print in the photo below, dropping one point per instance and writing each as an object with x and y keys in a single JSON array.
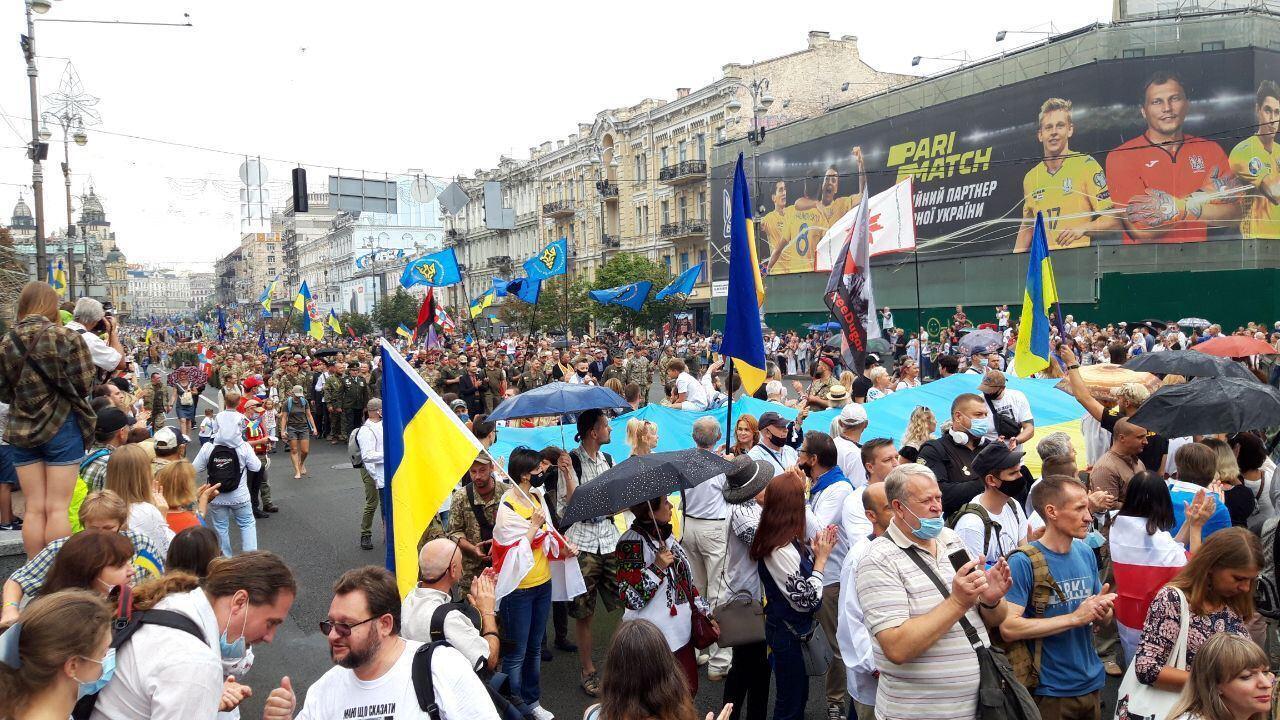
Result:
[
  {"x": 1069, "y": 665},
  {"x": 1182, "y": 494}
]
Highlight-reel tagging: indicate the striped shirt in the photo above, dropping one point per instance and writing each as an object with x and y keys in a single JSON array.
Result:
[
  {"x": 601, "y": 536},
  {"x": 942, "y": 683}
]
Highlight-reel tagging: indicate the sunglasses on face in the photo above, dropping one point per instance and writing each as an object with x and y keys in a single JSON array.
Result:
[{"x": 344, "y": 629}]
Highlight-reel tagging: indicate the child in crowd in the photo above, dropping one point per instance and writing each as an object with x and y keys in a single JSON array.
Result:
[{"x": 206, "y": 427}]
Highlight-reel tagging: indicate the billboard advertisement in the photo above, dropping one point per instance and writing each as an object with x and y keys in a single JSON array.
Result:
[{"x": 1166, "y": 149}]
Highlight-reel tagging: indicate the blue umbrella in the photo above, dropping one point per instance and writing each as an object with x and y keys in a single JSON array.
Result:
[{"x": 558, "y": 398}]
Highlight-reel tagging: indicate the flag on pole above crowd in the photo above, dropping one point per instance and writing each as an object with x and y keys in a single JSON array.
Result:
[
  {"x": 848, "y": 294},
  {"x": 891, "y": 227},
  {"x": 1033, "y": 353},
  {"x": 743, "y": 340},
  {"x": 500, "y": 287},
  {"x": 311, "y": 321},
  {"x": 443, "y": 319},
  {"x": 333, "y": 323},
  {"x": 682, "y": 285},
  {"x": 551, "y": 261},
  {"x": 435, "y": 270},
  {"x": 631, "y": 296},
  {"x": 222, "y": 325},
  {"x": 526, "y": 289},
  {"x": 427, "y": 448},
  {"x": 58, "y": 278},
  {"x": 426, "y": 313},
  {"x": 265, "y": 298},
  {"x": 403, "y": 331},
  {"x": 479, "y": 304},
  {"x": 302, "y": 298}
]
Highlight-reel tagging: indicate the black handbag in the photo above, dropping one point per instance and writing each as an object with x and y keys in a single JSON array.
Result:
[{"x": 1000, "y": 695}]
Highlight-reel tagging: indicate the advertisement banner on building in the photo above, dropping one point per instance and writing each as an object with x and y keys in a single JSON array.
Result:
[{"x": 1165, "y": 149}]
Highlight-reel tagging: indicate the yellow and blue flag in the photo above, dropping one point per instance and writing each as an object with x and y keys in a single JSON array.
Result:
[
  {"x": 302, "y": 298},
  {"x": 479, "y": 304},
  {"x": 147, "y": 338},
  {"x": 333, "y": 323},
  {"x": 265, "y": 298},
  {"x": 552, "y": 260},
  {"x": 58, "y": 279},
  {"x": 435, "y": 270},
  {"x": 1033, "y": 352},
  {"x": 403, "y": 331},
  {"x": 631, "y": 296},
  {"x": 427, "y": 448},
  {"x": 743, "y": 341}
]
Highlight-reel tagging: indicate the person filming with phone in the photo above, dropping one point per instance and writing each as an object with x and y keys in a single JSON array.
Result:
[{"x": 922, "y": 595}]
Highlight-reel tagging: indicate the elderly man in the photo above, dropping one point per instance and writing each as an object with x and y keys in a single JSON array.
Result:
[
  {"x": 89, "y": 319},
  {"x": 439, "y": 571},
  {"x": 706, "y": 516},
  {"x": 927, "y": 668}
]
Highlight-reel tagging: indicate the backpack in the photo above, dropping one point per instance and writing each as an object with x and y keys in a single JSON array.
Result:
[
  {"x": 224, "y": 468},
  {"x": 988, "y": 525},
  {"x": 353, "y": 448},
  {"x": 424, "y": 685},
  {"x": 1266, "y": 596},
  {"x": 1024, "y": 655},
  {"x": 577, "y": 471},
  {"x": 126, "y": 623}
]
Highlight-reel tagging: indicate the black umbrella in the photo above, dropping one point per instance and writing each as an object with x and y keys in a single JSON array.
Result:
[
  {"x": 640, "y": 478},
  {"x": 1190, "y": 363},
  {"x": 1206, "y": 406},
  {"x": 327, "y": 352}
]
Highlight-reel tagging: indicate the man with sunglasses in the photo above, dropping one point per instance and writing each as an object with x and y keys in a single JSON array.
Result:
[
  {"x": 373, "y": 673},
  {"x": 439, "y": 571}
]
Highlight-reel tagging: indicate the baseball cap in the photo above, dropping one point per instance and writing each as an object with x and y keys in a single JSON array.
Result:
[
  {"x": 772, "y": 419},
  {"x": 298, "y": 391},
  {"x": 872, "y": 359},
  {"x": 458, "y": 404},
  {"x": 112, "y": 419},
  {"x": 169, "y": 439},
  {"x": 853, "y": 415},
  {"x": 992, "y": 381},
  {"x": 994, "y": 457}
]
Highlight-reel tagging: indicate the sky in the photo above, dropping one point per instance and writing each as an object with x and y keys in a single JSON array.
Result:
[{"x": 388, "y": 85}]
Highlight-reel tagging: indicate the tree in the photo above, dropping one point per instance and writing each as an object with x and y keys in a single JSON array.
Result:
[
  {"x": 624, "y": 269},
  {"x": 395, "y": 309},
  {"x": 562, "y": 305},
  {"x": 359, "y": 323}
]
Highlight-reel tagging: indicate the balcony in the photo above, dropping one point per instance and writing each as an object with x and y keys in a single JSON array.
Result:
[
  {"x": 558, "y": 209},
  {"x": 608, "y": 190},
  {"x": 611, "y": 241},
  {"x": 684, "y": 172},
  {"x": 498, "y": 261},
  {"x": 683, "y": 229}
]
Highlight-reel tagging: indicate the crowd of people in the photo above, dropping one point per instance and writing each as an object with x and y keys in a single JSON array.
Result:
[{"x": 872, "y": 563}]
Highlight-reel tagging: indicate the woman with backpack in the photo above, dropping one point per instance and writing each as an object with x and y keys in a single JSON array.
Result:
[
  {"x": 227, "y": 459},
  {"x": 46, "y": 374},
  {"x": 298, "y": 429}
]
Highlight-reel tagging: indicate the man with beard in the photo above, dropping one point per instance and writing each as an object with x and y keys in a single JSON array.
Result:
[
  {"x": 373, "y": 673},
  {"x": 819, "y": 393}
]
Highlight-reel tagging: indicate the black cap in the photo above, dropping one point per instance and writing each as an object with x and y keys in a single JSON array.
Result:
[
  {"x": 111, "y": 420},
  {"x": 872, "y": 359},
  {"x": 994, "y": 457},
  {"x": 773, "y": 419}
]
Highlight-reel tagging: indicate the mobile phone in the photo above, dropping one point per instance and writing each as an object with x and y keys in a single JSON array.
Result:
[{"x": 959, "y": 558}]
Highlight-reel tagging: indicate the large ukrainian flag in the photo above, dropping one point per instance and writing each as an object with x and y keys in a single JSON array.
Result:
[
  {"x": 427, "y": 450},
  {"x": 1033, "y": 352},
  {"x": 743, "y": 340}
]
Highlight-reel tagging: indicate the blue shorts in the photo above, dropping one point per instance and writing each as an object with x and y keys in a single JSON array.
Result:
[
  {"x": 8, "y": 476},
  {"x": 186, "y": 412},
  {"x": 66, "y": 447}
]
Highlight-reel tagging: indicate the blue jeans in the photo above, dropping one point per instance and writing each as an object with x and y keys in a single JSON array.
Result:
[
  {"x": 243, "y": 513},
  {"x": 524, "y": 623},
  {"x": 788, "y": 669}
]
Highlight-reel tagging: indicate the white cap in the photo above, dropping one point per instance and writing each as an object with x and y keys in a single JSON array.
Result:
[{"x": 853, "y": 415}]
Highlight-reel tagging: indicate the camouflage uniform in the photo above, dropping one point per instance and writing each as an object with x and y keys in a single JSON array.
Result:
[
  {"x": 638, "y": 370},
  {"x": 463, "y": 524},
  {"x": 334, "y": 397},
  {"x": 494, "y": 378},
  {"x": 354, "y": 397}
]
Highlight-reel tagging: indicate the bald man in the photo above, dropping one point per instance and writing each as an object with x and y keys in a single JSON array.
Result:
[
  {"x": 439, "y": 569},
  {"x": 851, "y": 633},
  {"x": 1121, "y": 462}
]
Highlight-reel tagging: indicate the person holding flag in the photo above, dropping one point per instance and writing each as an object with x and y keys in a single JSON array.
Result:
[
  {"x": 848, "y": 294},
  {"x": 743, "y": 342}
]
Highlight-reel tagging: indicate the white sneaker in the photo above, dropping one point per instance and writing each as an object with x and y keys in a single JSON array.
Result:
[{"x": 542, "y": 713}]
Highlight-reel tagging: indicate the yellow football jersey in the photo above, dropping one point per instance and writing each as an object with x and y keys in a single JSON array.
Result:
[
  {"x": 1068, "y": 198},
  {"x": 773, "y": 227},
  {"x": 1254, "y": 164}
]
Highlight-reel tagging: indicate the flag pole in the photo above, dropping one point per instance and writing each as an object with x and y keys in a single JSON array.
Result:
[
  {"x": 729, "y": 430},
  {"x": 915, "y": 261}
]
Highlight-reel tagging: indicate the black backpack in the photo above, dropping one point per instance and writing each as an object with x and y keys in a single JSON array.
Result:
[
  {"x": 126, "y": 623},
  {"x": 424, "y": 686},
  {"x": 224, "y": 468}
]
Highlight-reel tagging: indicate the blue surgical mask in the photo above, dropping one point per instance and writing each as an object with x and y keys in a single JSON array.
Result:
[
  {"x": 234, "y": 650},
  {"x": 929, "y": 529},
  {"x": 108, "y": 663},
  {"x": 1094, "y": 539},
  {"x": 979, "y": 427}
]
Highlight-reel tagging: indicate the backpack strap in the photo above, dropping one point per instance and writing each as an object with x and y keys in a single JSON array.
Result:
[
  {"x": 477, "y": 509},
  {"x": 974, "y": 508},
  {"x": 423, "y": 683},
  {"x": 1042, "y": 586},
  {"x": 441, "y": 613},
  {"x": 93, "y": 456}
]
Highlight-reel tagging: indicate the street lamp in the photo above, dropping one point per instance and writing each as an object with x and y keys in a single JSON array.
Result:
[
  {"x": 41, "y": 6},
  {"x": 761, "y": 101},
  {"x": 1001, "y": 35},
  {"x": 949, "y": 57},
  {"x": 69, "y": 107}
]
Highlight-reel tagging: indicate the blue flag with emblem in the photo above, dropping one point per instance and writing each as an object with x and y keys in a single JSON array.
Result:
[
  {"x": 435, "y": 270},
  {"x": 551, "y": 261},
  {"x": 526, "y": 289},
  {"x": 682, "y": 285},
  {"x": 631, "y": 296},
  {"x": 500, "y": 287}
]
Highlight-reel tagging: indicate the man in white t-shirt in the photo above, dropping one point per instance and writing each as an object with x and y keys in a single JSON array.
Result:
[
  {"x": 689, "y": 393},
  {"x": 1004, "y": 526},
  {"x": 773, "y": 447},
  {"x": 89, "y": 318},
  {"x": 373, "y": 675},
  {"x": 879, "y": 458},
  {"x": 1010, "y": 404},
  {"x": 847, "y": 431}
]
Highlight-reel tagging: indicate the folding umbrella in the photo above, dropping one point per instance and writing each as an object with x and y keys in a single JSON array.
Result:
[
  {"x": 558, "y": 398},
  {"x": 1189, "y": 363},
  {"x": 640, "y": 478},
  {"x": 1207, "y": 406},
  {"x": 1233, "y": 346}
]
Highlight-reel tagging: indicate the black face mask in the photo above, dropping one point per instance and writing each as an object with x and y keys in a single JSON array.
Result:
[
  {"x": 1013, "y": 488},
  {"x": 991, "y": 397},
  {"x": 539, "y": 479}
]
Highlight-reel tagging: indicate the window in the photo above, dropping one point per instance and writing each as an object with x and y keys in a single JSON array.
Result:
[
  {"x": 271, "y": 258},
  {"x": 639, "y": 169},
  {"x": 702, "y": 258},
  {"x": 1212, "y": 45},
  {"x": 719, "y": 133},
  {"x": 639, "y": 220},
  {"x": 684, "y": 208},
  {"x": 700, "y": 146},
  {"x": 683, "y": 150},
  {"x": 666, "y": 260},
  {"x": 663, "y": 155},
  {"x": 570, "y": 198},
  {"x": 1133, "y": 53},
  {"x": 666, "y": 211},
  {"x": 702, "y": 205},
  {"x": 684, "y": 261},
  {"x": 644, "y": 166}
]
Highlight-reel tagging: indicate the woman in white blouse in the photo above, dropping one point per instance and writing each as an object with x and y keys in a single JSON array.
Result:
[
  {"x": 129, "y": 476},
  {"x": 791, "y": 573}
]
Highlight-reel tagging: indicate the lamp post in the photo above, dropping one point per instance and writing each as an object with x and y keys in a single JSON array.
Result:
[
  {"x": 761, "y": 101},
  {"x": 72, "y": 125},
  {"x": 38, "y": 149}
]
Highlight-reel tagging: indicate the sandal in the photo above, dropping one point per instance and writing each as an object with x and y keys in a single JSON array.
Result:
[{"x": 591, "y": 684}]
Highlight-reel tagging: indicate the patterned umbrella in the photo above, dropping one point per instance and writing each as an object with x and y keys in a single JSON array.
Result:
[
  {"x": 189, "y": 375},
  {"x": 640, "y": 478}
]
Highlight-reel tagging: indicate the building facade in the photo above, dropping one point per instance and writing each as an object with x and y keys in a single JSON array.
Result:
[
  {"x": 161, "y": 292},
  {"x": 636, "y": 178}
]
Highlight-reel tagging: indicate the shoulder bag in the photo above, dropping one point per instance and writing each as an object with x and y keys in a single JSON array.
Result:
[{"x": 1137, "y": 701}]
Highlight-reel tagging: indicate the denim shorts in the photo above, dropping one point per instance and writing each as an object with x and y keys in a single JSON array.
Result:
[
  {"x": 8, "y": 476},
  {"x": 66, "y": 447},
  {"x": 186, "y": 412}
]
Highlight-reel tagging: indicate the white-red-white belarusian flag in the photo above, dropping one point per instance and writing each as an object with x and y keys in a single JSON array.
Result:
[
  {"x": 1142, "y": 564},
  {"x": 892, "y": 225}
]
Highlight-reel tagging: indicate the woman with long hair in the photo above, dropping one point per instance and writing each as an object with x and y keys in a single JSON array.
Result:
[
  {"x": 920, "y": 429},
  {"x": 791, "y": 574},
  {"x": 642, "y": 436},
  {"x": 46, "y": 374},
  {"x": 745, "y": 432},
  {"x": 641, "y": 680},
  {"x": 1218, "y": 584},
  {"x": 59, "y": 649},
  {"x": 129, "y": 476},
  {"x": 1144, "y": 555},
  {"x": 186, "y": 504},
  {"x": 192, "y": 550},
  {"x": 93, "y": 560},
  {"x": 1236, "y": 496},
  {"x": 908, "y": 375},
  {"x": 299, "y": 426},
  {"x": 1231, "y": 681}
]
